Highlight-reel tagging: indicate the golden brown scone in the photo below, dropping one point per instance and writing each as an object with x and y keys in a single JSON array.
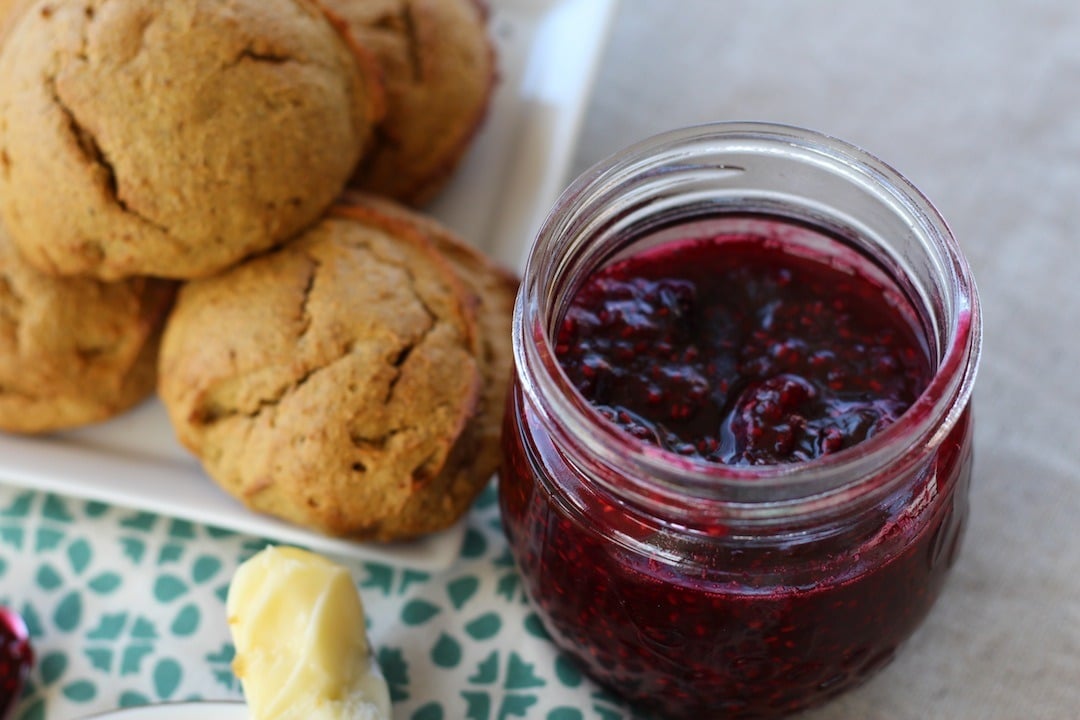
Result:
[
  {"x": 74, "y": 351},
  {"x": 438, "y": 64},
  {"x": 174, "y": 138},
  {"x": 330, "y": 382},
  {"x": 494, "y": 289}
]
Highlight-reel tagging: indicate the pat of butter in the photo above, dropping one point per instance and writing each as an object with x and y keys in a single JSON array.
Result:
[{"x": 297, "y": 622}]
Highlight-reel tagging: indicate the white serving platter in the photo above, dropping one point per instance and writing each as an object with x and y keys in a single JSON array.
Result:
[
  {"x": 548, "y": 54},
  {"x": 179, "y": 711}
]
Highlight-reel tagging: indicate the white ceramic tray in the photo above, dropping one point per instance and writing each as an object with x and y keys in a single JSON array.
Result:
[
  {"x": 179, "y": 711},
  {"x": 548, "y": 53}
]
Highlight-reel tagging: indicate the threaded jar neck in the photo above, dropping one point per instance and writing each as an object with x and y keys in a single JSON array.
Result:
[{"x": 693, "y": 177}]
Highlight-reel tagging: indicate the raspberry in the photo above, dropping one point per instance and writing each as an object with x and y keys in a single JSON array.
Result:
[
  {"x": 769, "y": 422},
  {"x": 16, "y": 659}
]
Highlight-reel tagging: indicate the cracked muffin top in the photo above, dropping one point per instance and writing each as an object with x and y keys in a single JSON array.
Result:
[
  {"x": 330, "y": 382},
  {"x": 74, "y": 350},
  {"x": 438, "y": 66},
  {"x": 174, "y": 138},
  {"x": 494, "y": 290}
]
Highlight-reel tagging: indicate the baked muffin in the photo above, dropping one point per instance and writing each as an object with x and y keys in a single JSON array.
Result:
[
  {"x": 174, "y": 138},
  {"x": 74, "y": 351},
  {"x": 438, "y": 65},
  {"x": 494, "y": 290},
  {"x": 330, "y": 382}
]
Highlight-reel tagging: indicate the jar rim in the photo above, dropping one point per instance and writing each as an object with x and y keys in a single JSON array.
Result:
[{"x": 655, "y": 475}]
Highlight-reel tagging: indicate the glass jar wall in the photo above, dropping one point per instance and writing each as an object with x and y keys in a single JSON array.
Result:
[{"x": 710, "y": 589}]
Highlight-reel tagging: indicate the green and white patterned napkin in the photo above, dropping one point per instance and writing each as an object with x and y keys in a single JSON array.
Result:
[{"x": 128, "y": 608}]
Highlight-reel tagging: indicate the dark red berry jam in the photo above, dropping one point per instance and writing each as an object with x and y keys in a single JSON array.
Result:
[
  {"x": 738, "y": 645},
  {"x": 734, "y": 350}
]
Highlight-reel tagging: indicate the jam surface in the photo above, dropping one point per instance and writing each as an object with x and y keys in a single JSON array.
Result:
[
  {"x": 733, "y": 350},
  {"x": 736, "y": 351}
]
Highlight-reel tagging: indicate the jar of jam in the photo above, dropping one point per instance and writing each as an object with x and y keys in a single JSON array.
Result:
[{"x": 738, "y": 446}]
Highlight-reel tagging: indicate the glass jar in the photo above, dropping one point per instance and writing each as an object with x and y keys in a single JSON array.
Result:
[{"x": 705, "y": 590}]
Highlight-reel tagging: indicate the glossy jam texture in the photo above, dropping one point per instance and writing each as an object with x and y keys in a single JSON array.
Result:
[
  {"x": 726, "y": 637},
  {"x": 732, "y": 349},
  {"x": 736, "y": 351}
]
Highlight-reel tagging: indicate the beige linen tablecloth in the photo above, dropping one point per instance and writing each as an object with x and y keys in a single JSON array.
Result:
[{"x": 978, "y": 103}]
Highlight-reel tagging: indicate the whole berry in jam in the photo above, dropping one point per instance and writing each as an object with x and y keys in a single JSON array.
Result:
[{"x": 736, "y": 351}]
